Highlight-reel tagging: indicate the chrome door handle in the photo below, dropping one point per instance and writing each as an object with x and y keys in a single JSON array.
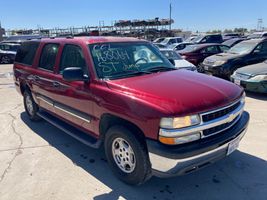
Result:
[{"x": 56, "y": 84}]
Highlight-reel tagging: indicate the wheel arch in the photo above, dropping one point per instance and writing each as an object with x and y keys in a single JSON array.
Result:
[{"x": 108, "y": 120}]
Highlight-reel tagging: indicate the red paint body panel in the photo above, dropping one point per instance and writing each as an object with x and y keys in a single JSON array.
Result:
[{"x": 142, "y": 100}]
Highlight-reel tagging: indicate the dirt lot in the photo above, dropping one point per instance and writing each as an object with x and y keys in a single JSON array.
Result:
[{"x": 38, "y": 161}]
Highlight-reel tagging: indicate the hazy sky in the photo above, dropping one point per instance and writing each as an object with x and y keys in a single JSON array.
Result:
[{"x": 201, "y": 15}]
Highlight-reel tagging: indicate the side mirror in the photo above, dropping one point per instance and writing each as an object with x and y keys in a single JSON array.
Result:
[
  {"x": 74, "y": 74},
  {"x": 172, "y": 61},
  {"x": 256, "y": 51}
]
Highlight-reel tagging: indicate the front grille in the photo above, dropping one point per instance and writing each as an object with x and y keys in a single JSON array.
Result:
[
  {"x": 220, "y": 128},
  {"x": 219, "y": 113}
]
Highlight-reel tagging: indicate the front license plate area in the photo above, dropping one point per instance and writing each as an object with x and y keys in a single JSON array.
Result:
[{"x": 233, "y": 146}]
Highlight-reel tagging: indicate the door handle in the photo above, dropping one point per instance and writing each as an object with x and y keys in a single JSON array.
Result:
[
  {"x": 56, "y": 84},
  {"x": 36, "y": 78}
]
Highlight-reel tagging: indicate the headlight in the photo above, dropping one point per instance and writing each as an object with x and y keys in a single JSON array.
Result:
[
  {"x": 259, "y": 78},
  {"x": 179, "y": 122},
  {"x": 243, "y": 97},
  {"x": 219, "y": 62}
]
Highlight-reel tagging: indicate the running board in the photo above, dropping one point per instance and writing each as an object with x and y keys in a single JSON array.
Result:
[{"x": 70, "y": 130}]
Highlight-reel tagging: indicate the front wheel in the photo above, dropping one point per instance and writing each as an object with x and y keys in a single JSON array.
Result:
[{"x": 127, "y": 156}]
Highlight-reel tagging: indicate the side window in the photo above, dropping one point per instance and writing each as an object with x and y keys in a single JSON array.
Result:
[
  {"x": 48, "y": 56},
  {"x": 72, "y": 56},
  {"x": 26, "y": 53},
  {"x": 261, "y": 48},
  {"x": 210, "y": 49},
  {"x": 223, "y": 48}
]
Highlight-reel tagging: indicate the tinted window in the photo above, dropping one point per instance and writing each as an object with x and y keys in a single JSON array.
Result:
[
  {"x": 210, "y": 49},
  {"x": 179, "y": 40},
  {"x": 26, "y": 53},
  {"x": 48, "y": 56},
  {"x": 262, "y": 48},
  {"x": 223, "y": 48},
  {"x": 72, "y": 56}
]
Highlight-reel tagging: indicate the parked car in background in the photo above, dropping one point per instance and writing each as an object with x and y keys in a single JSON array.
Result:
[
  {"x": 179, "y": 46},
  {"x": 124, "y": 95},
  {"x": 177, "y": 60},
  {"x": 171, "y": 40},
  {"x": 244, "y": 53},
  {"x": 18, "y": 39},
  {"x": 232, "y": 42},
  {"x": 160, "y": 46},
  {"x": 8, "y": 52},
  {"x": 208, "y": 38},
  {"x": 228, "y": 36},
  {"x": 159, "y": 40},
  {"x": 195, "y": 54},
  {"x": 252, "y": 77},
  {"x": 257, "y": 35}
]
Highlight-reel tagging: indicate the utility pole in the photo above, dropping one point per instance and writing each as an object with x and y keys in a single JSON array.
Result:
[{"x": 170, "y": 16}]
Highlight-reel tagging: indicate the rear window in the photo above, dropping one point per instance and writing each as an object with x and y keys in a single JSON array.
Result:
[{"x": 26, "y": 53}]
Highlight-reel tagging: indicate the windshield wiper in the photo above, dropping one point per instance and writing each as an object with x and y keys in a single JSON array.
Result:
[
  {"x": 153, "y": 69},
  {"x": 127, "y": 73}
]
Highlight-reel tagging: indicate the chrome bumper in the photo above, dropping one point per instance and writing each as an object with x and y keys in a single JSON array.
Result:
[{"x": 166, "y": 167}]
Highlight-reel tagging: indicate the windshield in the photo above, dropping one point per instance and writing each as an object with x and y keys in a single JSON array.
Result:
[
  {"x": 242, "y": 48},
  {"x": 119, "y": 60},
  {"x": 255, "y": 35},
  {"x": 171, "y": 55},
  {"x": 7, "y": 47},
  {"x": 197, "y": 39},
  {"x": 190, "y": 48}
]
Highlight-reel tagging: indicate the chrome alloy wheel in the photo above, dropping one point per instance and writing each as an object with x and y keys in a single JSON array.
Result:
[
  {"x": 29, "y": 104},
  {"x": 123, "y": 155}
]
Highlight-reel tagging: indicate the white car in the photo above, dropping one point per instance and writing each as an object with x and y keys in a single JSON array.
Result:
[
  {"x": 171, "y": 40},
  {"x": 179, "y": 62}
]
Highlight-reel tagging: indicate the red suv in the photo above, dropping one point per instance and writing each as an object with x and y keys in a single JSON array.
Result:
[{"x": 123, "y": 93}]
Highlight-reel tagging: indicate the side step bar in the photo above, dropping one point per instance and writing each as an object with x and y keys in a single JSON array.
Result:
[{"x": 70, "y": 130}]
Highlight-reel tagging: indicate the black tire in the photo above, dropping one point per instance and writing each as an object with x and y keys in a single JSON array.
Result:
[
  {"x": 142, "y": 169},
  {"x": 5, "y": 59},
  {"x": 27, "y": 98}
]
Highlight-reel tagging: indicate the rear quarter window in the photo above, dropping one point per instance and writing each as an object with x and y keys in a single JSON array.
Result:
[{"x": 26, "y": 53}]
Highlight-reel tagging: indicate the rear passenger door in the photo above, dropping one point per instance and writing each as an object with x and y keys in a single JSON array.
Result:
[
  {"x": 73, "y": 100},
  {"x": 44, "y": 77}
]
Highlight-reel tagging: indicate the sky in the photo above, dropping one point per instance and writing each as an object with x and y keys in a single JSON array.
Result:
[{"x": 193, "y": 15}]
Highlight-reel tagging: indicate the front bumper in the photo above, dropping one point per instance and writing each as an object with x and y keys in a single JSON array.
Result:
[
  {"x": 167, "y": 161},
  {"x": 252, "y": 86},
  {"x": 215, "y": 71}
]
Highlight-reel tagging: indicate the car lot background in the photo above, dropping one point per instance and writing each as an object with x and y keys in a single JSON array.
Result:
[{"x": 38, "y": 161}]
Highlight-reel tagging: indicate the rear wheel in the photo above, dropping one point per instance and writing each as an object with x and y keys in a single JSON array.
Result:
[
  {"x": 30, "y": 106},
  {"x": 5, "y": 60},
  {"x": 127, "y": 156}
]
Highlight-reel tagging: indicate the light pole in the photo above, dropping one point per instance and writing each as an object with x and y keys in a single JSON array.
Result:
[{"x": 170, "y": 16}]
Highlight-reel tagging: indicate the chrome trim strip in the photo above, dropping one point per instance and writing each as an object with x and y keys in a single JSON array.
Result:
[
  {"x": 166, "y": 165},
  {"x": 44, "y": 100},
  {"x": 205, "y": 125},
  {"x": 71, "y": 113},
  {"x": 63, "y": 108}
]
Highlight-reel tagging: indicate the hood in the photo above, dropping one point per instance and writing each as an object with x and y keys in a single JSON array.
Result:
[
  {"x": 183, "y": 64},
  {"x": 223, "y": 57},
  {"x": 257, "y": 69},
  {"x": 178, "y": 92}
]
